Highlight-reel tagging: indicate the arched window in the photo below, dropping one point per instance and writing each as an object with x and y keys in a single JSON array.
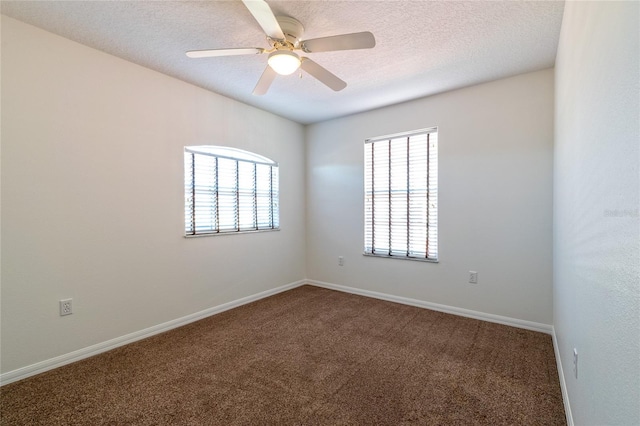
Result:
[{"x": 228, "y": 190}]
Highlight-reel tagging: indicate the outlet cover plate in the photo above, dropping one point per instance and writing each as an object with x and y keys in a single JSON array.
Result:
[{"x": 66, "y": 307}]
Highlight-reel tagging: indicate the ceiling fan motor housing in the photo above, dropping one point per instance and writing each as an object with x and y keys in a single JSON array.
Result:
[{"x": 292, "y": 29}]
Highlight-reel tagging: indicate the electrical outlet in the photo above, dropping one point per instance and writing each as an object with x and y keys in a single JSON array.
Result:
[
  {"x": 340, "y": 260},
  {"x": 66, "y": 308},
  {"x": 473, "y": 277},
  {"x": 575, "y": 363}
]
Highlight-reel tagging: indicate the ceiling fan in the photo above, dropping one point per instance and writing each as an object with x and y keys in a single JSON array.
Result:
[{"x": 283, "y": 34}]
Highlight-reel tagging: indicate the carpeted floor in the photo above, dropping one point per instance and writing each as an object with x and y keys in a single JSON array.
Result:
[{"x": 309, "y": 356}]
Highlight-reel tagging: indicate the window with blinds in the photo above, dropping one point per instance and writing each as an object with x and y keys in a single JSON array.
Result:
[
  {"x": 228, "y": 190},
  {"x": 401, "y": 195}
]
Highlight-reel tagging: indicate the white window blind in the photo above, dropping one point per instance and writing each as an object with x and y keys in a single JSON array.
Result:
[
  {"x": 229, "y": 190},
  {"x": 401, "y": 195}
]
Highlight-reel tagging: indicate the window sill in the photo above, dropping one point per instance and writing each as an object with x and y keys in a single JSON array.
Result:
[
  {"x": 386, "y": 256},
  {"x": 212, "y": 234}
]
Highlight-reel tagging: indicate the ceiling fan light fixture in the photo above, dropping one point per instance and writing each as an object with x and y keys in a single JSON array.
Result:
[{"x": 284, "y": 62}]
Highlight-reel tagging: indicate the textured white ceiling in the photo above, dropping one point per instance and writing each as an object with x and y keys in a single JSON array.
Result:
[{"x": 423, "y": 47}]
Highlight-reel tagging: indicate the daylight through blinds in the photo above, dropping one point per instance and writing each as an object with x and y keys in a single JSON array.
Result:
[
  {"x": 401, "y": 195},
  {"x": 229, "y": 190}
]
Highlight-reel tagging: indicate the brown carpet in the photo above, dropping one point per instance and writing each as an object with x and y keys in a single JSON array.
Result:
[{"x": 309, "y": 356}]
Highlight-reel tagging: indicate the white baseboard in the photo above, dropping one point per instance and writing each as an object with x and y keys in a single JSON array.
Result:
[
  {"x": 514, "y": 322},
  {"x": 563, "y": 383},
  {"x": 59, "y": 361}
]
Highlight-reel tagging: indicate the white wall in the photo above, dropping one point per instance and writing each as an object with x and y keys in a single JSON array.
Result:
[
  {"x": 495, "y": 212},
  {"x": 596, "y": 210},
  {"x": 93, "y": 204}
]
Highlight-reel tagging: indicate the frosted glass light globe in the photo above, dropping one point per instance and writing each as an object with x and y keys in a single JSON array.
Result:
[{"x": 284, "y": 62}]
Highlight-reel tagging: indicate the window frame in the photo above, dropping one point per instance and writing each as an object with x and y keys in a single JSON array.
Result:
[
  {"x": 238, "y": 156},
  {"x": 431, "y": 193}
]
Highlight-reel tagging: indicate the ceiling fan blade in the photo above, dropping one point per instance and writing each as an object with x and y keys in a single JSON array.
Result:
[
  {"x": 265, "y": 81},
  {"x": 224, "y": 52},
  {"x": 322, "y": 75},
  {"x": 364, "y": 40},
  {"x": 265, "y": 17}
]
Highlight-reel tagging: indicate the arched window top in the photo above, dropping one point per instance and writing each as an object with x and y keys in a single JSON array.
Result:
[{"x": 230, "y": 153}]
